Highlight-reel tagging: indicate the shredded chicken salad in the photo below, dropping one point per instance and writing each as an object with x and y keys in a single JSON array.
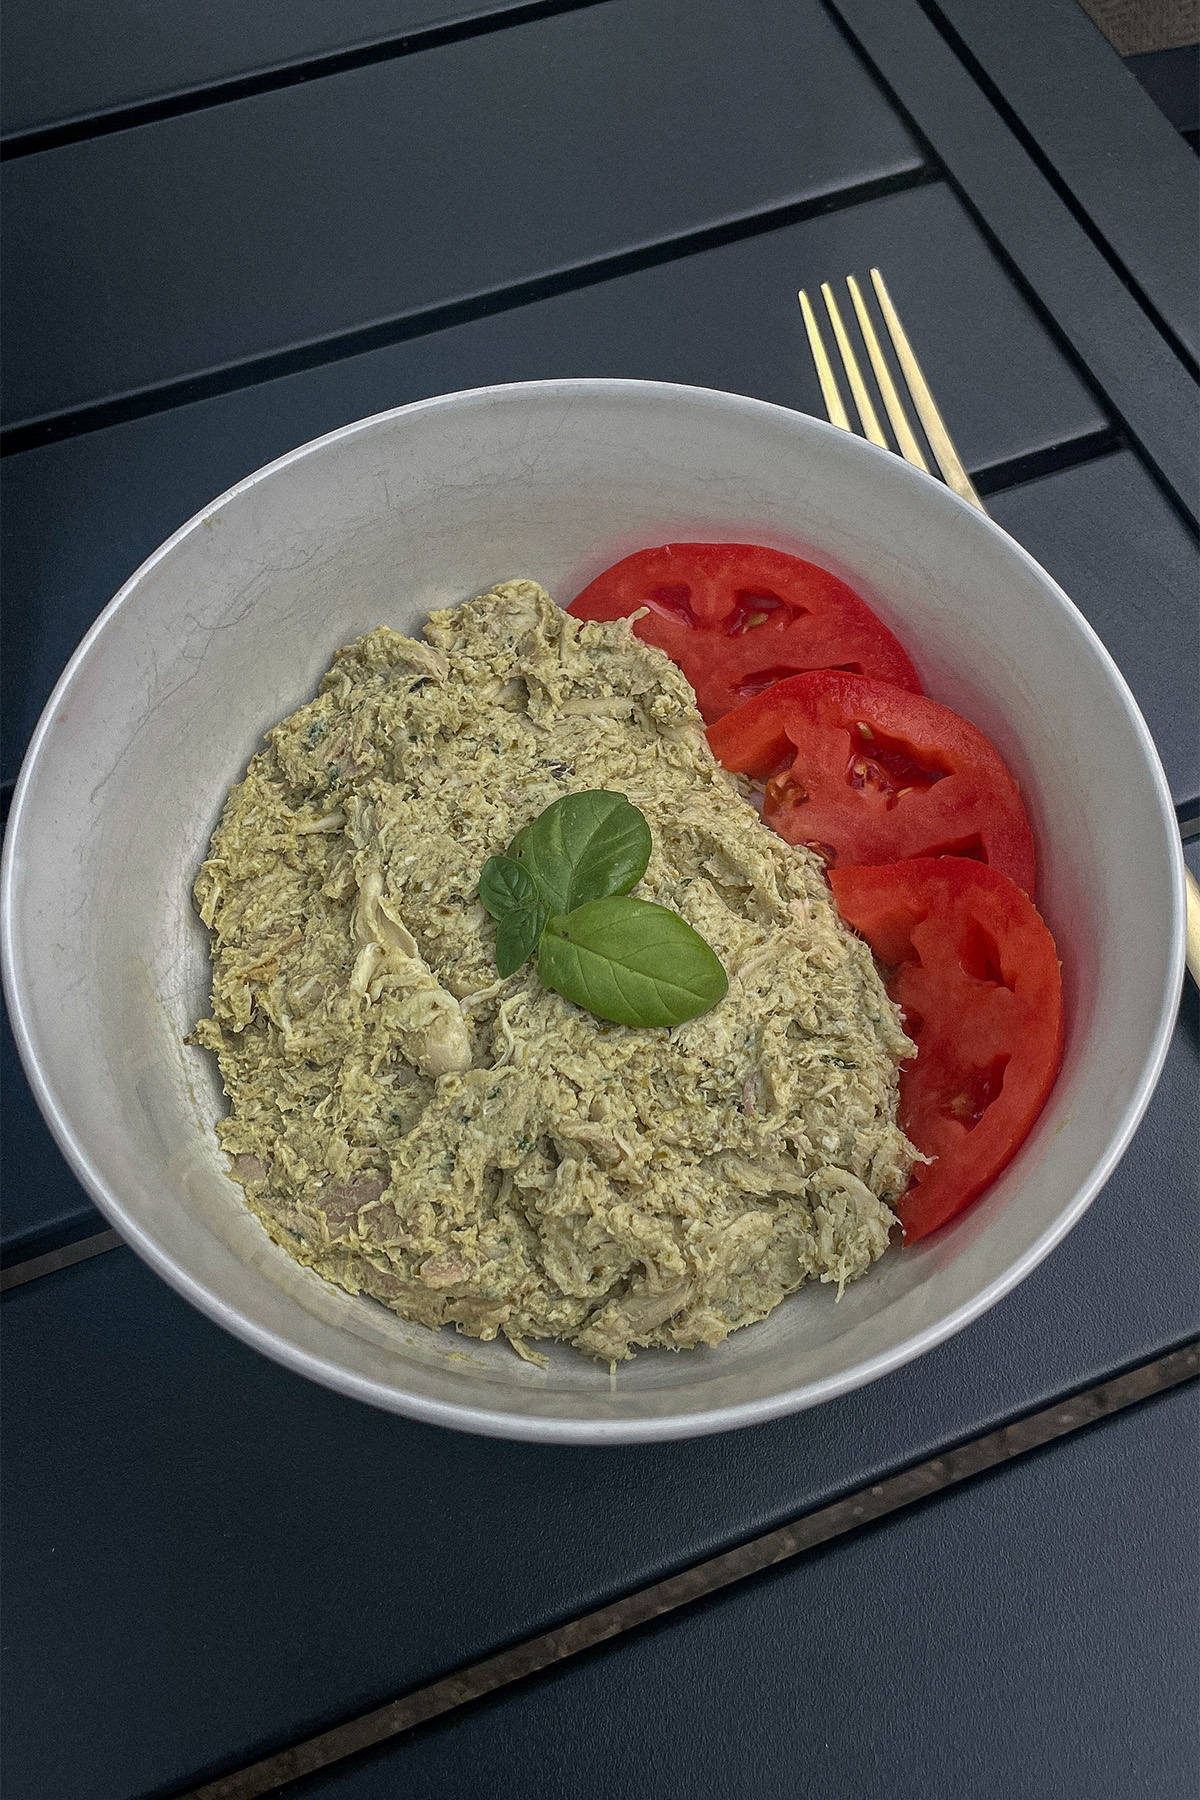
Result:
[{"x": 481, "y": 1151}]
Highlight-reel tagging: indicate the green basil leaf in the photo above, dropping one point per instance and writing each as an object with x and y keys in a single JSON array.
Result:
[
  {"x": 517, "y": 936},
  {"x": 504, "y": 886},
  {"x": 584, "y": 847},
  {"x": 631, "y": 962}
]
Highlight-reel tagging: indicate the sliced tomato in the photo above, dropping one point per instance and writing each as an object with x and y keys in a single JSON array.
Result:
[
  {"x": 738, "y": 617},
  {"x": 870, "y": 774},
  {"x": 976, "y": 974}
]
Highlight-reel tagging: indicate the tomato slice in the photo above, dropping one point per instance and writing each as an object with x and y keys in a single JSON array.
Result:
[
  {"x": 738, "y": 617},
  {"x": 977, "y": 977},
  {"x": 870, "y": 774}
]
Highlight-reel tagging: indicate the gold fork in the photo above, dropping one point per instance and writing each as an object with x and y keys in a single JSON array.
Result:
[
  {"x": 933, "y": 425},
  {"x": 939, "y": 440}
]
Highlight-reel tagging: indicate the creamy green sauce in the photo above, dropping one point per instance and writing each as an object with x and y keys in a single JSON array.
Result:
[{"x": 481, "y": 1152}]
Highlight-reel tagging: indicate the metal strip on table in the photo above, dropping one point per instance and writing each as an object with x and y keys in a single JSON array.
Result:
[
  {"x": 866, "y": 1507},
  {"x": 33, "y": 1268},
  {"x": 1126, "y": 357},
  {"x": 1029, "y": 1634},
  {"x": 365, "y": 201},
  {"x": 1084, "y": 117},
  {"x": 129, "y": 66}
]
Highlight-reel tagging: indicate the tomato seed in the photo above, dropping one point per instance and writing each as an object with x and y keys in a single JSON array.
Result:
[{"x": 785, "y": 789}]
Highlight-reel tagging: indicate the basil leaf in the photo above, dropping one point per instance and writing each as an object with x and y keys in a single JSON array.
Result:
[
  {"x": 631, "y": 962},
  {"x": 504, "y": 886},
  {"x": 517, "y": 937},
  {"x": 510, "y": 894},
  {"x": 584, "y": 847}
]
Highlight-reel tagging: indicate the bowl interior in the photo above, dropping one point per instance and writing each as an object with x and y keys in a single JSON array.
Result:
[{"x": 230, "y": 625}]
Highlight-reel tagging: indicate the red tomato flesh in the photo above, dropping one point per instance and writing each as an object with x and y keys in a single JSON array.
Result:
[
  {"x": 976, "y": 974},
  {"x": 738, "y": 617},
  {"x": 867, "y": 773}
]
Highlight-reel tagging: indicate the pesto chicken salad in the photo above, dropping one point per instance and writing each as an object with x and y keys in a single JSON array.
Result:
[{"x": 492, "y": 1149}]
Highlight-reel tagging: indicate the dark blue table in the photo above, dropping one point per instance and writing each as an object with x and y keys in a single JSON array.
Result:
[{"x": 229, "y": 232}]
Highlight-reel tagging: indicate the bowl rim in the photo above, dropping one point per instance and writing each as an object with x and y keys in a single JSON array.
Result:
[{"x": 495, "y": 1422}]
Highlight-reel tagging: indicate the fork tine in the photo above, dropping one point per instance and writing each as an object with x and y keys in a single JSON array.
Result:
[
  {"x": 829, "y": 387},
  {"x": 858, "y": 387},
  {"x": 910, "y": 450},
  {"x": 935, "y": 430}
]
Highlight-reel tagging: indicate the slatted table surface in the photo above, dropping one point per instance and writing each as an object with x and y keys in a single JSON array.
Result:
[{"x": 251, "y": 227}]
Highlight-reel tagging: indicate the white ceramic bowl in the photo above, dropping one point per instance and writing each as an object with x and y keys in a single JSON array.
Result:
[{"x": 228, "y": 627}]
